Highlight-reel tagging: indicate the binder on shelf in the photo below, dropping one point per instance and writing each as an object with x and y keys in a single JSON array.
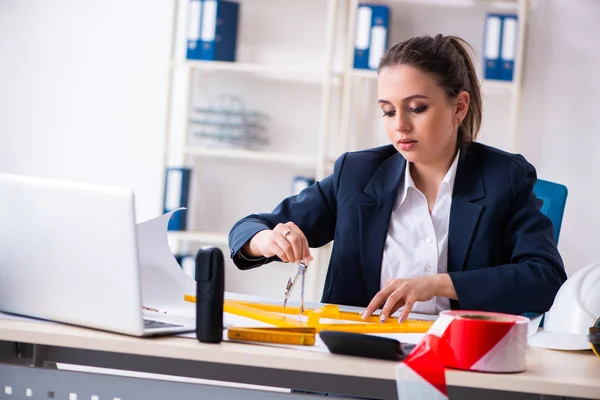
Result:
[
  {"x": 194, "y": 14},
  {"x": 212, "y": 30},
  {"x": 491, "y": 46},
  {"x": 177, "y": 187},
  {"x": 299, "y": 183},
  {"x": 500, "y": 44},
  {"x": 509, "y": 44},
  {"x": 371, "y": 35}
]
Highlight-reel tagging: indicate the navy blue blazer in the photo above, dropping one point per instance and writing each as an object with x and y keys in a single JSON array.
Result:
[{"x": 502, "y": 255}]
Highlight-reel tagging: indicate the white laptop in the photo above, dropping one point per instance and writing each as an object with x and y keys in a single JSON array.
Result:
[{"x": 68, "y": 253}]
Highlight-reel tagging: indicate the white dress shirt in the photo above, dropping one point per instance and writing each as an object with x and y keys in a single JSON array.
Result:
[{"x": 417, "y": 242}]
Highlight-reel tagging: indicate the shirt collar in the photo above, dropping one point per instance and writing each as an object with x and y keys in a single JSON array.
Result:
[
  {"x": 451, "y": 174},
  {"x": 409, "y": 183}
]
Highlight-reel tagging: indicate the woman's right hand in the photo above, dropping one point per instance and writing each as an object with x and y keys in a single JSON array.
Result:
[{"x": 285, "y": 241}]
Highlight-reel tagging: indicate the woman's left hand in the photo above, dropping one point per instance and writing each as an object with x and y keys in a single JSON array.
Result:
[{"x": 405, "y": 292}]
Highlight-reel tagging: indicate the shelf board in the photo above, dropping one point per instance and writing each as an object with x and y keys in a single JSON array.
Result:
[
  {"x": 289, "y": 73},
  {"x": 249, "y": 155},
  {"x": 199, "y": 237},
  {"x": 492, "y": 86}
]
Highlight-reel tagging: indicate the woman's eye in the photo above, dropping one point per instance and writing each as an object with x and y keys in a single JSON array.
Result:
[
  {"x": 389, "y": 113},
  {"x": 417, "y": 110}
]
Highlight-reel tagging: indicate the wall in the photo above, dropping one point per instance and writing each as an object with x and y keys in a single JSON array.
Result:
[
  {"x": 83, "y": 92},
  {"x": 560, "y": 121}
]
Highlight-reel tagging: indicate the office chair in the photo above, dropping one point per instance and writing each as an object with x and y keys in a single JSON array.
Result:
[{"x": 553, "y": 197}]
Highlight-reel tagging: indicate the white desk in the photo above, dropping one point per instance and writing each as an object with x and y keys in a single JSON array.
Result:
[{"x": 34, "y": 343}]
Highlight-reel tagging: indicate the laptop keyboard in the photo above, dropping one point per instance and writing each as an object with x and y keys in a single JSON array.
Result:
[{"x": 151, "y": 324}]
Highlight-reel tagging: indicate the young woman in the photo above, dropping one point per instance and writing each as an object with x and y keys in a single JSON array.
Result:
[{"x": 431, "y": 222}]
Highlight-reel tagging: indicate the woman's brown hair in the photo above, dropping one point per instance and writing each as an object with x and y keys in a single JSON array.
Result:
[{"x": 448, "y": 61}]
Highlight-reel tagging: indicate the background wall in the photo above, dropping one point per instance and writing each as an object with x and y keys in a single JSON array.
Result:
[
  {"x": 83, "y": 92},
  {"x": 560, "y": 121},
  {"x": 83, "y": 88}
]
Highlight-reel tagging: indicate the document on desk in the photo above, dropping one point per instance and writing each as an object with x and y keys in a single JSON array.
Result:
[{"x": 163, "y": 281}]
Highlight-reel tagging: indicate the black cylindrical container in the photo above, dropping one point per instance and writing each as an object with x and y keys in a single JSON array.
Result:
[{"x": 210, "y": 287}]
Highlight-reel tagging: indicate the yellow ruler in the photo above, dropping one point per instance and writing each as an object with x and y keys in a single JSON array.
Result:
[
  {"x": 296, "y": 336},
  {"x": 279, "y": 317}
]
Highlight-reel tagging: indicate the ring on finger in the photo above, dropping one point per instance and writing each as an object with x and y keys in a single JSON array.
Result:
[{"x": 286, "y": 233}]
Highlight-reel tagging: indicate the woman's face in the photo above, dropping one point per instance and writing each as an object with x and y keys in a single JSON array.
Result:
[{"x": 419, "y": 118}]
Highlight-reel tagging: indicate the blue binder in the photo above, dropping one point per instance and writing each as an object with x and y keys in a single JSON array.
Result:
[
  {"x": 508, "y": 47},
  {"x": 194, "y": 44},
  {"x": 176, "y": 195},
  {"x": 212, "y": 36},
  {"x": 371, "y": 36},
  {"x": 491, "y": 46},
  {"x": 500, "y": 45}
]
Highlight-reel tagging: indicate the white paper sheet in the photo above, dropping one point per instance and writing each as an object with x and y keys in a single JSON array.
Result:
[{"x": 164, "y": 283}]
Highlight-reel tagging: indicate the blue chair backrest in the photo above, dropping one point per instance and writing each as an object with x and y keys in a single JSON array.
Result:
[{"x": 554, "y": 197}]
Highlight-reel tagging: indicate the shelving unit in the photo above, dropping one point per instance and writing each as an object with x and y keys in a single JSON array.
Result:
[
  {"x": 180, "y": 151},
  {"x": 287, "y": 73}
]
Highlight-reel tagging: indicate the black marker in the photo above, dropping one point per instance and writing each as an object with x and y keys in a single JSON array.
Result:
[{"x": 210, "y": 287}]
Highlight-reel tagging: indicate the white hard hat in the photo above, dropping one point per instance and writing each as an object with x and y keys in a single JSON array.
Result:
[{"x": 575, "y": 309}]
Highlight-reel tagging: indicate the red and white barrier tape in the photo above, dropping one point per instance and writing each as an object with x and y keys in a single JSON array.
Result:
[{"x": 468, "y": 340}]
